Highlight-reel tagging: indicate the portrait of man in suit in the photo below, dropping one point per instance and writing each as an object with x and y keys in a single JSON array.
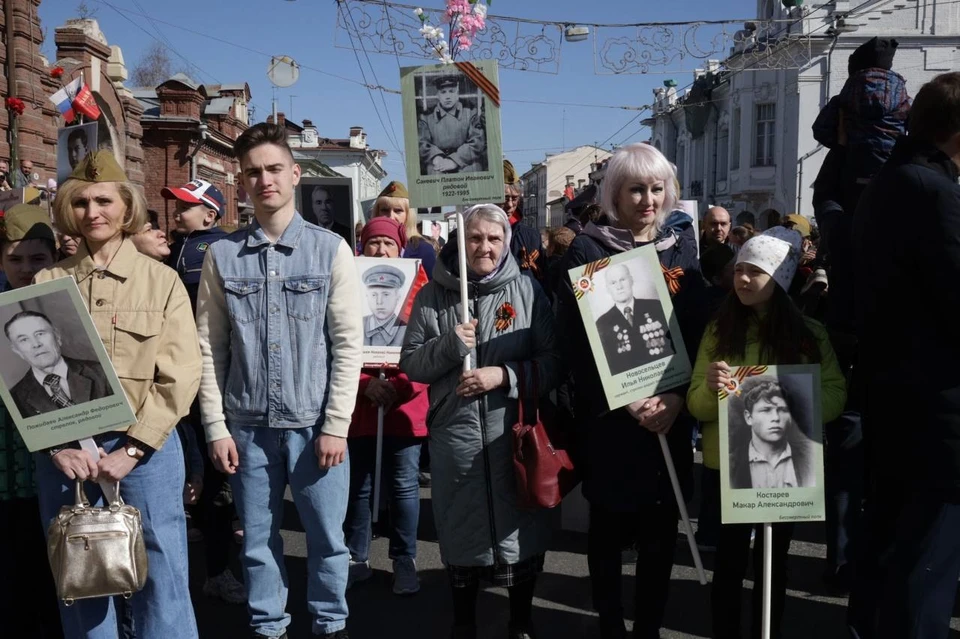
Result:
[
  {"x": 53, "y": 381},
  {"x": 768, "y": 450},
  {"x": 634, "y": 332}
]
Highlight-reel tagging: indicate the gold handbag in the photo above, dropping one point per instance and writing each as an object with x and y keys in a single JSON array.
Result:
[{"x": 96, "y": 552}]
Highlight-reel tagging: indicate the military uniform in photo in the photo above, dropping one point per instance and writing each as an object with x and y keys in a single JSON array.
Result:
[
  {"x": 456, "y": 134},
  {"x": 388, "y": 331},
  {"x": 634, "y": 335}
]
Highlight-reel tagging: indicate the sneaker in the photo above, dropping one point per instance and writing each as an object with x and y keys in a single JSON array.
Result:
[
  {"x": 423, "y": 479},
  {"x": 359, "y": 571},
  {"x": 226, "y": 588},
  {"x": 817, "y": 282},
  {"x": 405, "y": 579},
  {"x": 520, "y": 632}
]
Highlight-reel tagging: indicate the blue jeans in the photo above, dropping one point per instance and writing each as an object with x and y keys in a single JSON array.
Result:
[
  {"x": 400, "y": 471},
  {"x": 163, "y": 608},
  {"x": 270, "y": 459}
]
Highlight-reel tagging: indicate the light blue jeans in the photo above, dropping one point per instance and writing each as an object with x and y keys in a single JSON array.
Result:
[
  {"x": 162, "y": 610},
  {"x": 270, "y": 459}
]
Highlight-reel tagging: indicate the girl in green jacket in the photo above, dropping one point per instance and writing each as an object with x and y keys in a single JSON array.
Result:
[{"x": 758, "y": 324}]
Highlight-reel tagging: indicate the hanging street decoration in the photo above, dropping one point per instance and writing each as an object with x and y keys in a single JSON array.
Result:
[{"x": 391, "y": 28}]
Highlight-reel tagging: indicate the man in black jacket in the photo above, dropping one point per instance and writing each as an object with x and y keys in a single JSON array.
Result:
[
  {"x": 908, "y": 302},
  {"x": 525, "y": 245}
]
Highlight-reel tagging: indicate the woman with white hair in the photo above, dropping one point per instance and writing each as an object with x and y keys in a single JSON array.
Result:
[
  {"x": 625, "y": 478},
  {"x": 483, "y": 532}
]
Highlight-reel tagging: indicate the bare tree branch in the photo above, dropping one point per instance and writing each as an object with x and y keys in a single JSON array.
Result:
[{"x": 153, "y": 68}]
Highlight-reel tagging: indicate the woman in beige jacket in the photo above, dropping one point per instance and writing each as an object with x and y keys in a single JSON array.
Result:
[{"x": 143, "y": 315}]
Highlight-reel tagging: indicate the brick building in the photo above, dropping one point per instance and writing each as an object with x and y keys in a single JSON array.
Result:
[
  {"x": 188, "y": 133},
  {"x": 81, "y": 48}
]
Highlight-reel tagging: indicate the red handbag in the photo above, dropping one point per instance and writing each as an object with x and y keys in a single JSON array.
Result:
[{"x": 544, "y": 469}]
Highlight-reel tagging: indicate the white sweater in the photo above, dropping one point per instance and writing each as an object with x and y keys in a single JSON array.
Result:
[{"x": 345, "y": 326}]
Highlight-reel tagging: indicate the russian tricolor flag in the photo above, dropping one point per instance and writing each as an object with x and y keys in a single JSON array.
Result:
[{"x": 64, "y": 99}]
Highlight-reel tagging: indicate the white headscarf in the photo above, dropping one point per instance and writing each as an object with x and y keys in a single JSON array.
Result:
[
  {"x": 504, "y": 221},
  {"x": 776, "y": 251}
]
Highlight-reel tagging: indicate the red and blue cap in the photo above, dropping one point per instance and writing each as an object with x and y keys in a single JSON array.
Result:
[{"x": 197, "y": 192}]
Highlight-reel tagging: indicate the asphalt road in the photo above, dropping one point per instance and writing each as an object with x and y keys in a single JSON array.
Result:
[{"x": 562, "y": 604}]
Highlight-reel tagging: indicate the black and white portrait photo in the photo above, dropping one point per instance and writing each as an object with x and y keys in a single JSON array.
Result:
[
  {"x": 451, "y": 123},
  {"x": 50, "y": 363},
  {"x": 631, "y": 324},
  {"x": 73, "y": 144},
  {"x": 384, "y": 286},
  {"x": 388, "y": 290},
  {"x": 771, "y": 433},
  {"x": 328, "y": 202}
]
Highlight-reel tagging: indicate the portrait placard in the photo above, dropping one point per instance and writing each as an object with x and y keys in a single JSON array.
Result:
[
  {"x": 451, "y": 132},
  {"x": 389, "y": 286},
  {"x": 633, "y": 331},
  {"x": 771, "y": 445},
  {"x": 73, "y": 144},
  {"x": 56, "y": 379},
  {"x": 328, "y": 202}
]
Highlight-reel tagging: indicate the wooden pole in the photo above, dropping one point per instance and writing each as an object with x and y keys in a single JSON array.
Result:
[
  {"x": 682, "y": 506},
  {"x": 379, "y": 460},
  {"x": 464, "y": 296},
  {"x": 767, "y": 577}
]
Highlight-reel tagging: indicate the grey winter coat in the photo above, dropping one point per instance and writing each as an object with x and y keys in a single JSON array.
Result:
[{"x": 471, "y": 449}]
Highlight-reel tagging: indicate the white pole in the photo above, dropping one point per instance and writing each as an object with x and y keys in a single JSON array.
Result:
[
  {"x": 379, "y": 460},
  {"x": 668, "y": 458},
  {"x": 767, "y": 577},
  {"x": 464, "y": 297}
]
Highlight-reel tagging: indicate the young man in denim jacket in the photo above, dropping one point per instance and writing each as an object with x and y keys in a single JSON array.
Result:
[{"x": 279, "y": 320}]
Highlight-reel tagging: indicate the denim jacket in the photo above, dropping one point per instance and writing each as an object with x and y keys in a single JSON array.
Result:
[{"x": 272, "y": 320}]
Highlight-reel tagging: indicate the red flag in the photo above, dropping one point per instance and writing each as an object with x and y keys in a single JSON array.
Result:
[
  {"x": 418, "y": 283},
  {"x": 85, "y": 104}
]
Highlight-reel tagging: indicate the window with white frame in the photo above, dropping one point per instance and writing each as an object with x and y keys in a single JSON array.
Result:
[
  {"x": 735, "y": 146},
  {"x": 723, "y": 152},
  {"x": 765, "y": 133}
]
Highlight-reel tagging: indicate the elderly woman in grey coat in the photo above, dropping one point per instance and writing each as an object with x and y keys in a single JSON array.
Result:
[{"x": 483, "y": 532}]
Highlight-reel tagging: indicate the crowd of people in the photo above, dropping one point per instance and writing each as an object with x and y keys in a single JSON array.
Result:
[{"x": 241, "y": 354}]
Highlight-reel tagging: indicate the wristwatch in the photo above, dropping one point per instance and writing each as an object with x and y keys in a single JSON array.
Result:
[{"x": 134, "y": 449}]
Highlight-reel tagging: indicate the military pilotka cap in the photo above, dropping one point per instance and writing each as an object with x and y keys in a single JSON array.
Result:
[
  {"x": 26, "y": 222},
  {"x": 385, "y": 276},
  {"x": 509, "y": 173},
  {"x": 395, "y": 189},
  {"x": 99, "y": 166},
  {"x": 444, "y": 81}
]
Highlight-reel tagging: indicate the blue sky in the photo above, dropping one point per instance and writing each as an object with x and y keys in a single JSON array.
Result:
[{"x": 306, "y": 30}]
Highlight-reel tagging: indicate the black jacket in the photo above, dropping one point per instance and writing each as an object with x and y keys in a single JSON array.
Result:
[
  {"x": 527, "y": 248},
  {"x": 906, "y": 234},
  {"x": 86, "y": 380},
  {"x": 186, "y": 257},
  {"x": 622, "y": 462}
]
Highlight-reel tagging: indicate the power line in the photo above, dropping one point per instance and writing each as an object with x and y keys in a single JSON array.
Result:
[
  {"x": 391, "y": 134},
  {"x": 376, "y": 109}
]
